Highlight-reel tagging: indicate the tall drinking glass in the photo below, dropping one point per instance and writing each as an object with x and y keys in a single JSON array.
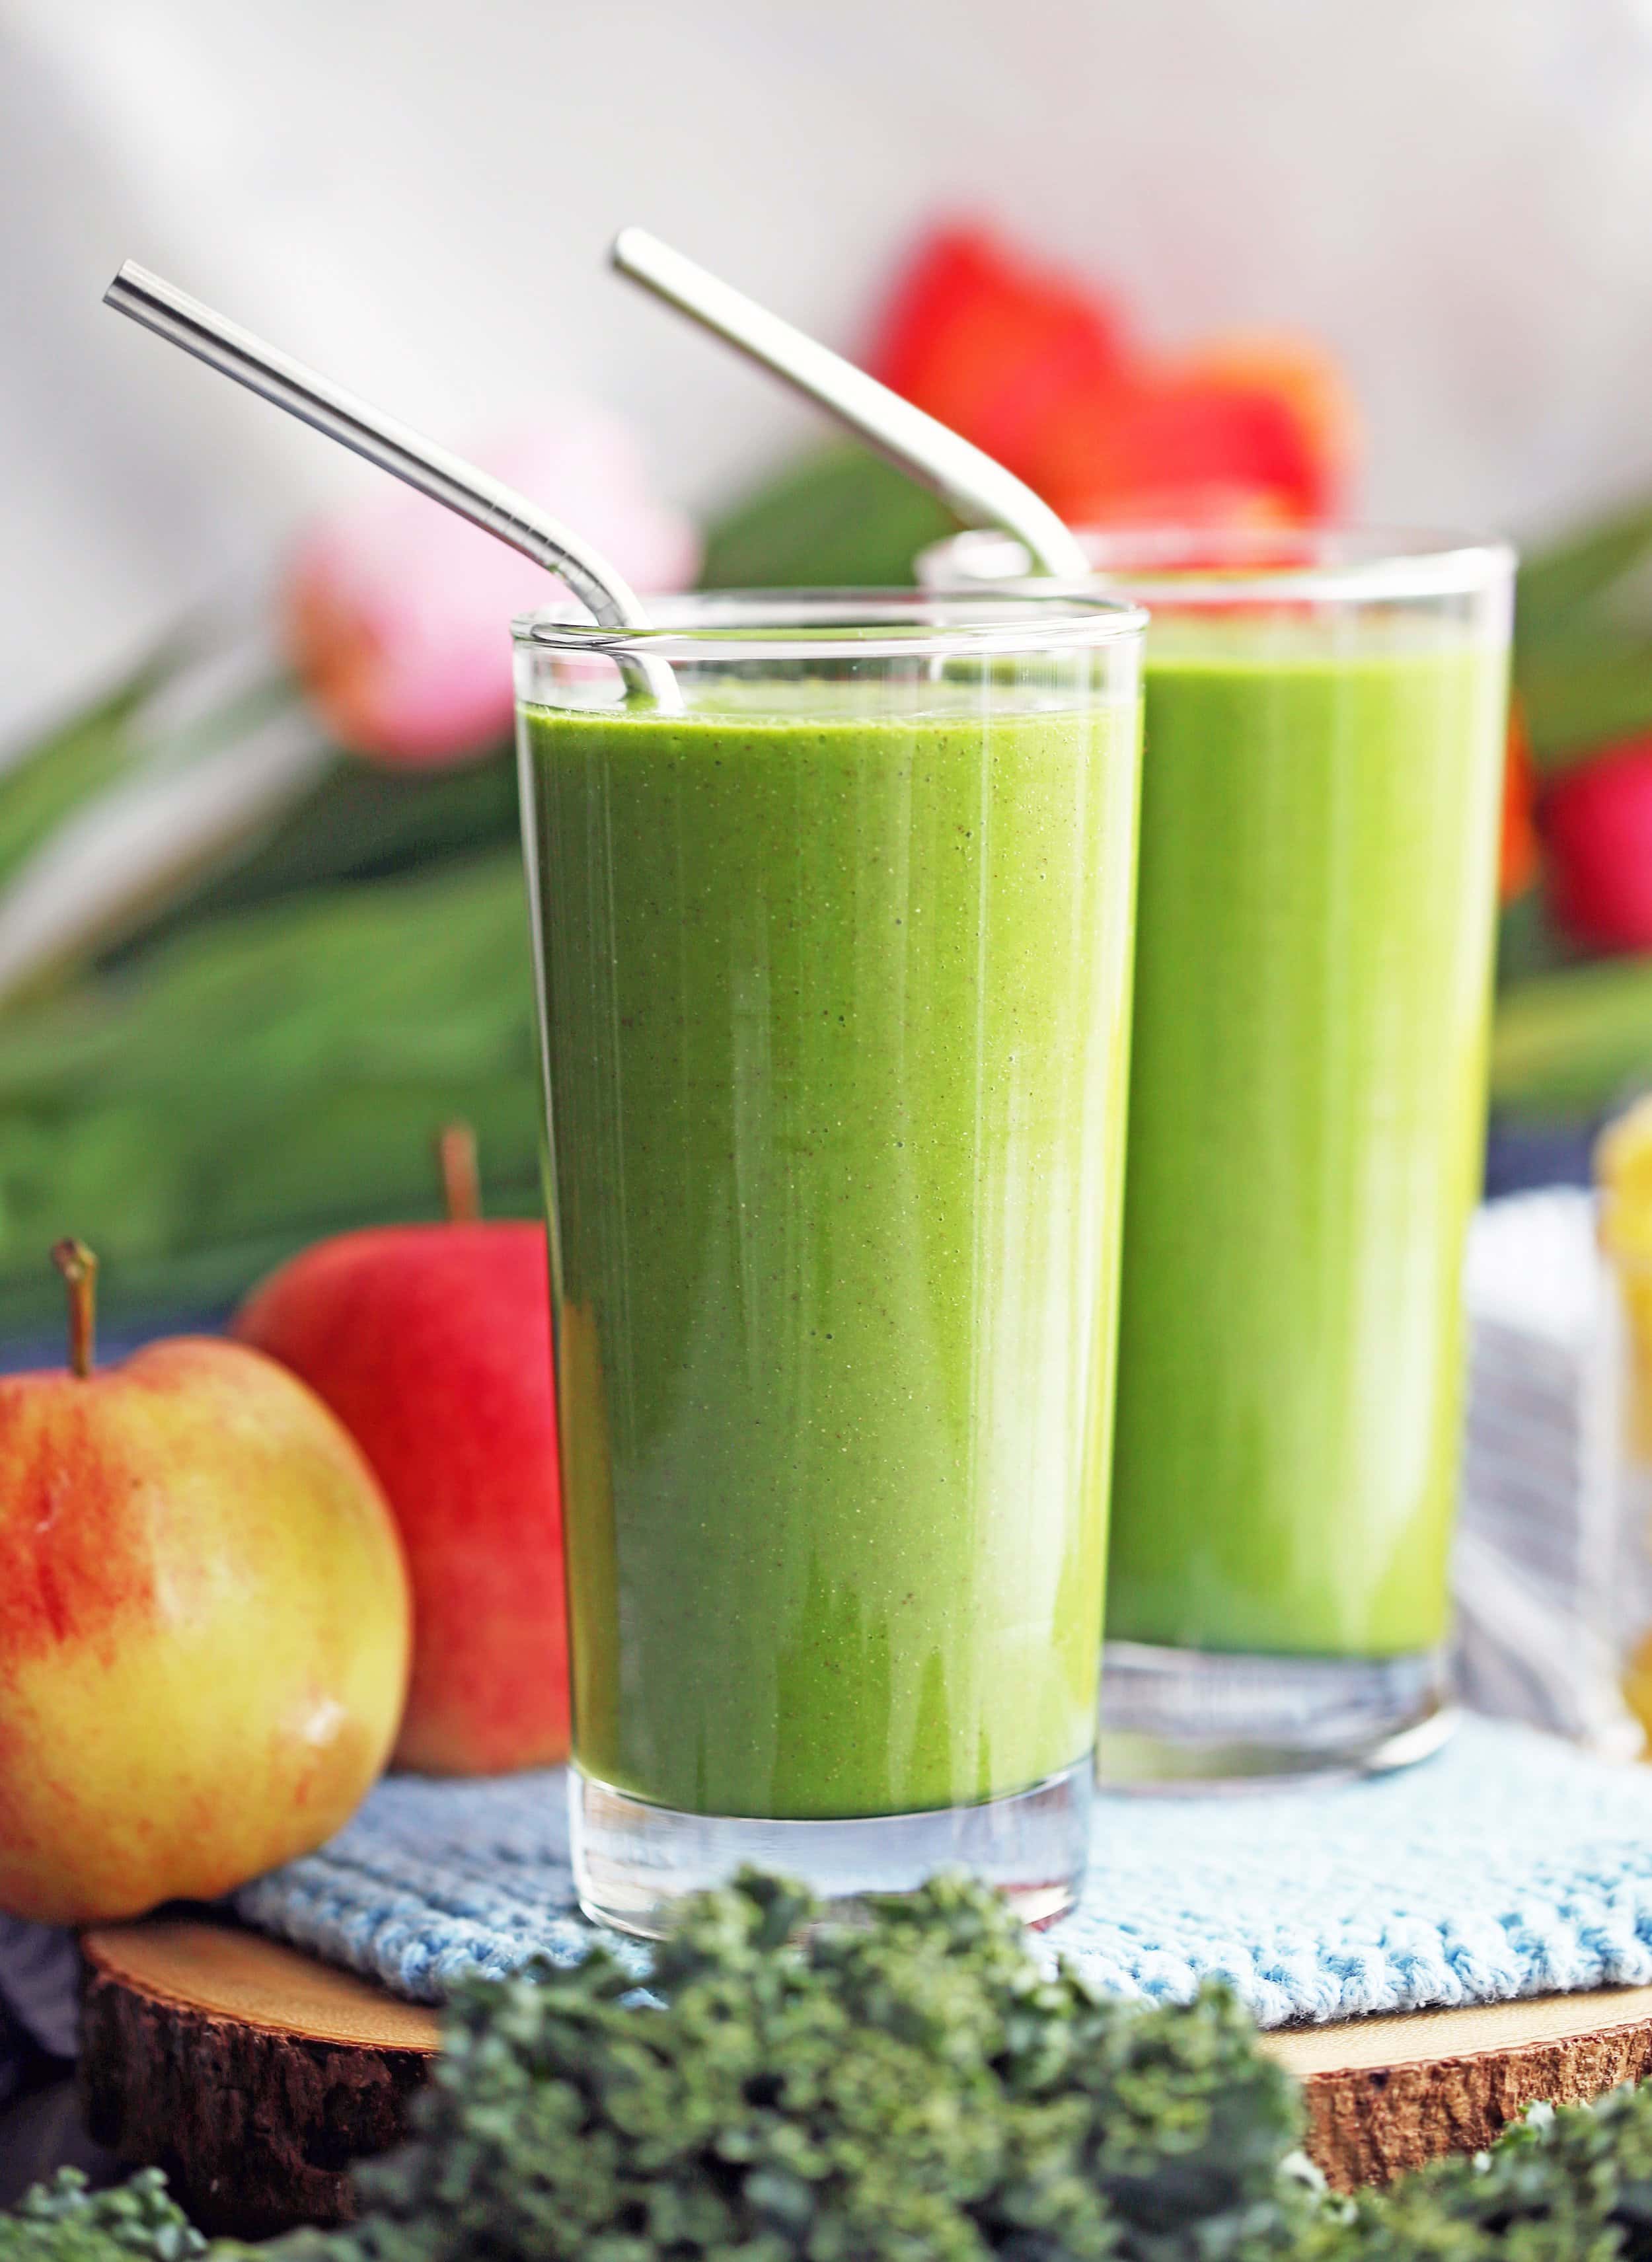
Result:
[
  {"x": 1324, "y": 731},
  {"x": 834, "y": 981}
]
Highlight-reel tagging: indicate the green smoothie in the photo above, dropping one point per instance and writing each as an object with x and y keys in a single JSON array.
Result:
[
  {"x": 838, "y": 1010},
  {"x": 1306, "y": 1102}
]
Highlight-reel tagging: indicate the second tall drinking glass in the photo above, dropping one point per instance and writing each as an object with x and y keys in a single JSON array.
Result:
[
  {"x": 1323, "y": 751},
  {"x": 835, "y": 972}
]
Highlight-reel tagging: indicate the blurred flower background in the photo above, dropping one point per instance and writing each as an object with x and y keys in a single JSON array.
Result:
[{"x": 1268, "y": 261}]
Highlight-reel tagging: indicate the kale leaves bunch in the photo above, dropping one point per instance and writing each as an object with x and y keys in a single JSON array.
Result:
[
  {"x": 916, "y": 2089},
  {"x": 64, "y": 2222}
]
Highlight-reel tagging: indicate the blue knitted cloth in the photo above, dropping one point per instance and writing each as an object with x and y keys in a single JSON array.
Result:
[{"x": 1510, "y": 1865}]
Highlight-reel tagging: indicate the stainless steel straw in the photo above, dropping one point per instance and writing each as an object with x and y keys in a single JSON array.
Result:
[
  {"x": 968, "y": 481},
  {"x": 446, "y": 479}
]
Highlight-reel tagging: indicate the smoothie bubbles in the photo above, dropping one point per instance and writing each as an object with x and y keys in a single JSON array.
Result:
[
  {"x": 1324, "y": 731},
  {"x": 835, "y": 958}
]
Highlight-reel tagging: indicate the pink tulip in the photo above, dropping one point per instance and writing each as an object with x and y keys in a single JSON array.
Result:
[{"x": 397, "y": 613}]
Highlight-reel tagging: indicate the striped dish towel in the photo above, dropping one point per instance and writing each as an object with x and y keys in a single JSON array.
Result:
[{"x": 1553, "y": 1573}]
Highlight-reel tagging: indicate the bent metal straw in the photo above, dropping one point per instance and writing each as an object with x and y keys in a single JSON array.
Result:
[
  {"x": 967, "y": 480},
  {"x": 395, "y": 448}
]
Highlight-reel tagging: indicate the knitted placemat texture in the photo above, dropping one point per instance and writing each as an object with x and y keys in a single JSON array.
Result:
[{"x": 1510, "y": 1864}]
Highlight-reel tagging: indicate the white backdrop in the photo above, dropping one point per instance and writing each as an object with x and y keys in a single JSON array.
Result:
[{"x": 1456, "y": 194}]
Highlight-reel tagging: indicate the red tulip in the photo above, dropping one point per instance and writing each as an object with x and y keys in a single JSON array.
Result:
[
  {"x": 1597, "y": 826},
  {"x": 991, "y": 344},
  {"x": 1039, "y": 371},
  {"x": 1266, "y": 421}
]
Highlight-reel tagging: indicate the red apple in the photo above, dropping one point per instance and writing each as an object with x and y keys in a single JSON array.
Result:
[
  {"x": 432, "y": 1344},
  {"x": 203, "y": 1624}
]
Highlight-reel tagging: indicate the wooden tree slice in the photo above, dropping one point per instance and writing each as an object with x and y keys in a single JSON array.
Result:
[
  {"x": 1385, "y": 2094},
  {"x": 254, "y": 2074}
]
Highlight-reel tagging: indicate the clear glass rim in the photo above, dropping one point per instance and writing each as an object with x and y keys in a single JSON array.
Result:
[
  {"x": 817, "y": 625},
  {"x": 1185, "y": 565}
]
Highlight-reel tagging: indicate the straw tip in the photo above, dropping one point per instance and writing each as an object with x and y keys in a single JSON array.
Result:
[
  {"x": 121, "y": 282},
  {"x": 631, "y": 245}
]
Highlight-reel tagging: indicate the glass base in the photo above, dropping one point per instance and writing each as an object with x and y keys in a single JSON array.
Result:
[
  {"x": 634, "y": 1862},
  {"x": 1188, "y": 1719}
]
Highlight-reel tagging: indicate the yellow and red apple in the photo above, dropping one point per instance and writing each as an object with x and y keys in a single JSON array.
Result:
[{"x": 203, "y": 1624}]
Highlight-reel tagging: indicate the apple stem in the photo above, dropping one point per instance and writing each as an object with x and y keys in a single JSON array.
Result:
[
  {"x": 79, "y": 1268},
  {"x": 461, "y": 1180}
]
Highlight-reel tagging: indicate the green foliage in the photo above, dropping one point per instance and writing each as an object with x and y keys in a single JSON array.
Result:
[
  {"x": 1582, "y": 569},
  {"x": 1574, "y": 1042},
  {"x": 71, "y": 765},
  {"x": 1584, "y": 692},
  {"x": 1529, "y": 943},
  {"x": 359, "y": 824},
  {"x": 258, "y": 1079},
  {"x": 840, "y": 518},
  {"x": 268, "y": 1050},
  {"x": 63, "y": 2222},
  {"x": 1584, "y": 640}
]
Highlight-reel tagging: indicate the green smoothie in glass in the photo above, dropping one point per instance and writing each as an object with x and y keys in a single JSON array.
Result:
[
  {"x": 1321, "y": 787},
  {"x": 836, "y": 968}
]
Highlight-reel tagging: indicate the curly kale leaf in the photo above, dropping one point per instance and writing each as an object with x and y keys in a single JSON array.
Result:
[
  {"x": 916, "y": 2088},
  {"x": 64, "y": 2222}
]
